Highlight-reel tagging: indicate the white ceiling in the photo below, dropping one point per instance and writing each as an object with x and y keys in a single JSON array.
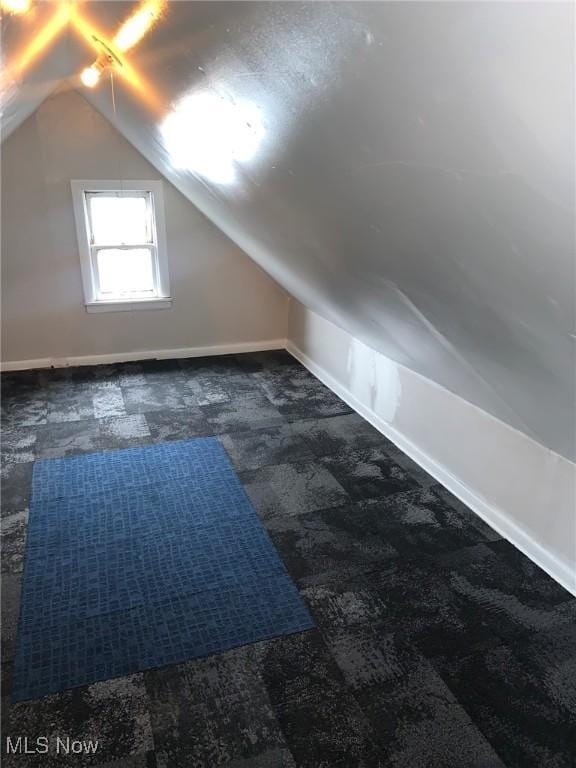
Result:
[{"x": 403, "y": 168}]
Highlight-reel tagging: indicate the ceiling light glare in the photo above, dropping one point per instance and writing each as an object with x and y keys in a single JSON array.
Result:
[
  {"x": 134, "y": 28},
  {"x": 16, "y": 7},
  {"x": 212, "y": 135}
]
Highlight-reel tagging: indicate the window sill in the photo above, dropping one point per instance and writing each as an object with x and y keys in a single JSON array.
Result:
[{"x": 128, "y": 305}]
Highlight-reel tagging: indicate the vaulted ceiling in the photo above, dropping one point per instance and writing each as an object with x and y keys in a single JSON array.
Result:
[{"x": 405, "y": 169}]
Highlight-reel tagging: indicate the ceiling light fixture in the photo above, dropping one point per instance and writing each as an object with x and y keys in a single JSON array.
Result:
[
  {"x": 90, "y": 76},
  {"x": 108, "y": 55},
  {"x": 130, "y": 33},
  {"x": 106, "y": 58}
]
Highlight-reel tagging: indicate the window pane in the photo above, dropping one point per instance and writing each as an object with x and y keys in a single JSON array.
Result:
[
  {"x": 125, "y": 271},
  {"x": 119, "y": 220}
]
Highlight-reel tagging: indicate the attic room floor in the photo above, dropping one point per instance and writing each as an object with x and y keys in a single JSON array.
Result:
[{"x": 437, "y": 643}]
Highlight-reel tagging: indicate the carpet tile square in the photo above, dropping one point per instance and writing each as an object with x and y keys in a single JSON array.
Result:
[{"x": 140, "y": 558}]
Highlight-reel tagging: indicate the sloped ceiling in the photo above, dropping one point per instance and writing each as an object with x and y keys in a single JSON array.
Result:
[{"x": 405, "y": 169}]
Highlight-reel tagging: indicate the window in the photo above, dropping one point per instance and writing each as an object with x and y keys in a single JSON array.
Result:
[{"x": 122, "y": 244}]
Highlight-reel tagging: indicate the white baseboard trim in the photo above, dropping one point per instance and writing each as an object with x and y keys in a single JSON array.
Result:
[
  {"x": 494, "y": 517},
  {"x": 147, "y": 354}
]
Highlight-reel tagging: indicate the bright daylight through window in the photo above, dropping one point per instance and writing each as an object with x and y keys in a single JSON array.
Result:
[{"x": 122, "y": 244}]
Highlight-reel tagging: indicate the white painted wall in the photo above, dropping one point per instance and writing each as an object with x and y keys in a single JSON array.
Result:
[
  {"x": 521, "y": 488},
  {"x": 221, "y": 298}
]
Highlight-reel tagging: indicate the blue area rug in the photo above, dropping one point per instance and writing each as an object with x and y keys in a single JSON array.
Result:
[{"x": 140, "y": 558}]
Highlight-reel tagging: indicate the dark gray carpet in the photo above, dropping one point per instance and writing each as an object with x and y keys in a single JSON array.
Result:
[{"x": 438, "y": 644}]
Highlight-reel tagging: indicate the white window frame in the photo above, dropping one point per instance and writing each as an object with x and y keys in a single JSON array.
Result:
[{"x": 87, "y": 250}]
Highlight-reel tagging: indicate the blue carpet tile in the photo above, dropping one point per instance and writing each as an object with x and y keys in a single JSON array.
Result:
[{"x": 140, "y": 558}]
